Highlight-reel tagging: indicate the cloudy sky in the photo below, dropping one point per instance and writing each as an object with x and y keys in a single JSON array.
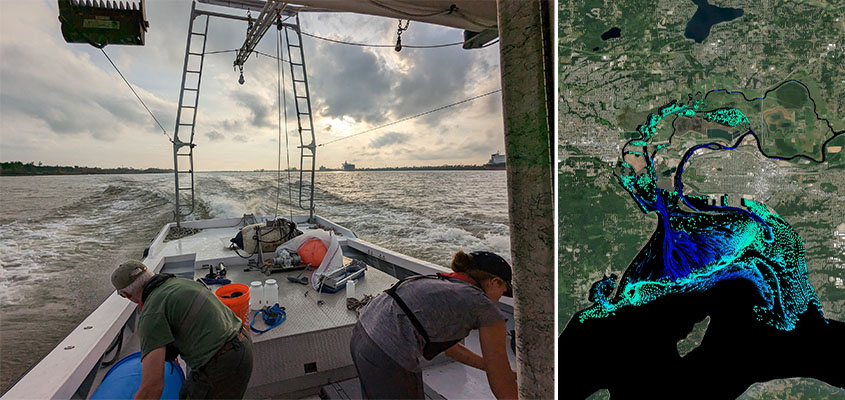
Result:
[{"x": 63, "y": 104}]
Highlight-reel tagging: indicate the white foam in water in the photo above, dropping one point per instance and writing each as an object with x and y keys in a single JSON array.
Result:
[
  {"x": 21, "y": 253},
  {"x": 499, "y": 244},
  {"x": 234, "y": 195},
  {"x": 224, "y": 207},
  {"x": 35, "y": 252},
  {"x": 119, "y": 206},
  {"x": 449, "y": 235},
  {"x": 386, "y": 208},
  {"x": 403, "y": 214},
  {"x": 449, "y": 240}
]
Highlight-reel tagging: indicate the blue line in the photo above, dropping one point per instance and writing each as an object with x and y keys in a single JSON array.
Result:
[{"x": 707, "y": 207}]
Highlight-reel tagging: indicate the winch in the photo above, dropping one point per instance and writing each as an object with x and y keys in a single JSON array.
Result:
[{"x": 285, "y": 262}]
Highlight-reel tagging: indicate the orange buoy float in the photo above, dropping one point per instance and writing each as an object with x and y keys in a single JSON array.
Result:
[{"x": 313, "y": 252}]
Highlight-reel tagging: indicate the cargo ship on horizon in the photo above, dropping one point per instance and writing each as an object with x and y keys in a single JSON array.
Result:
[{"x": 496, "y": 162}]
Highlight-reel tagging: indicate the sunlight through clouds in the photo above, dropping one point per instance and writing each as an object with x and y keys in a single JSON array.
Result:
[{"x": 56, "y": 96}]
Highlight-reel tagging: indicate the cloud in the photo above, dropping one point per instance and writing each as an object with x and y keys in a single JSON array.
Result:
[
  {"x": 466, "y": 152},
  {"x": 257, "y": 106},
  {"x": 434, "y": 77},
  {"x": 372, "y": 86},
  {"x": 389, "y": 139},
  {"x": 56, "y": 96},
  {"x": 214, "y": 136},
  {"x": 67, "y": 94},
  {"x": 350, "y": 81}
]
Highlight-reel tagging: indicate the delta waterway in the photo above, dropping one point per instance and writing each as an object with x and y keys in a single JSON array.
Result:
[{"x": 61, "y": 236}]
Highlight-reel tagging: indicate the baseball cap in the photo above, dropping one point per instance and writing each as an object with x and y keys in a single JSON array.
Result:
[
  {"x": 126, "y": 273},
  {"x": 495, "y": 265}
]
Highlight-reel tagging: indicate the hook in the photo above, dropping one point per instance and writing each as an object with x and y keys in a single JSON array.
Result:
[{"x": 399, "y": 31}]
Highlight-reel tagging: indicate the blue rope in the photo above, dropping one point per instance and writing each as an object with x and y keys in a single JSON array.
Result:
[{"x": 273, "y": 317}]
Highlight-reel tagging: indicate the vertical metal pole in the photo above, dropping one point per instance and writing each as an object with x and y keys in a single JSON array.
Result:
[
  {"x": 525, "y": 57},
  {"x": 260, "y": 256},
  {"x": 176, "y": 212}
]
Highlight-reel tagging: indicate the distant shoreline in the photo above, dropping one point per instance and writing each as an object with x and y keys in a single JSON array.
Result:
[
  {"x": 17, "y": 168},
  {"x": 421, "y": 168}
]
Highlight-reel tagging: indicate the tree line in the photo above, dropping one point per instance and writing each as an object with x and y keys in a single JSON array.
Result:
[
  {"x": 414, "y": 168},
  {"x": 31, "y": 168}
]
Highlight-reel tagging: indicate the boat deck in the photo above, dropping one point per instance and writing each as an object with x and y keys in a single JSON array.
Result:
[
  {"x": 307, "y": 310},
  {"x": 311, "y": 348}
]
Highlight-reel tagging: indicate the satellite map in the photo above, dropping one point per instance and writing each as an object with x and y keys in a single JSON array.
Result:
[{"x": 701, "y": 192}]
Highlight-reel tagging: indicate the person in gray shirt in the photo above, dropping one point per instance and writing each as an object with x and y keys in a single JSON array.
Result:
[{"x": 427, "y": 315}]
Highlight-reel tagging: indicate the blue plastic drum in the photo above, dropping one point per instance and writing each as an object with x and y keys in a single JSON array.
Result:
[{"x": 124, "y": 378}]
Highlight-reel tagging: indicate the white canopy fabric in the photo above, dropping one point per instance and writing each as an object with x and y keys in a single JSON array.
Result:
[{"x": 472, "y": 15}]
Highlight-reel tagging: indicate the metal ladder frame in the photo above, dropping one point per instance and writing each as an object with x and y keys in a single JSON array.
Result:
[
  {"x": 305, "y": 127},
  {"x": 298, "y": 76},
  {"x": 177, "y": 143}
]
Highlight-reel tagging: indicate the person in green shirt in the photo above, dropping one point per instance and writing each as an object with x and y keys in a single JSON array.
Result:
[{"x": 182, "y": 317}]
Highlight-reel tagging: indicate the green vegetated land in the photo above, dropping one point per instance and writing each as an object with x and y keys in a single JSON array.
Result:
[
  {"x": 784, "y": 120},
  {"x": 836, "y": 160},
  {"x": 600, "y": 230},
  {"x": 14, "y": 168}
]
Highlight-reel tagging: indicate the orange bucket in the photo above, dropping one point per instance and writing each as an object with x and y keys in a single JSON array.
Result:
[{"x": 236, "y": 297}]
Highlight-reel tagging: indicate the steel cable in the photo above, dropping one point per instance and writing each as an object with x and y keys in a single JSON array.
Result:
[
  {"x": 412, "y": 117},
  {"x": 136, "y": 95}
]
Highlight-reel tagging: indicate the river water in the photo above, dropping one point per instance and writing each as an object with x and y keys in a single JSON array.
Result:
[{"x": 61, "y": 236}]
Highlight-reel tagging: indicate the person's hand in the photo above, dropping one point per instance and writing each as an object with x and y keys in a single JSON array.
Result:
[{"x": 500, "y": 376}]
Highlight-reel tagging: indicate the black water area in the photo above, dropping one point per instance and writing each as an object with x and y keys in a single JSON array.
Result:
[
  {"x": 611, "y": 33},
  {"x": 633, "y": 353},
  {"x": 698, "y": 27}
]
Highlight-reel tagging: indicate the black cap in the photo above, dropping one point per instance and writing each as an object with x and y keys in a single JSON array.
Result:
[{"x": 495, "y": 265}]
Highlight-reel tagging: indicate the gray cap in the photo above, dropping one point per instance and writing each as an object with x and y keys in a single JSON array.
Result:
[{"x": 126, "y": 273}]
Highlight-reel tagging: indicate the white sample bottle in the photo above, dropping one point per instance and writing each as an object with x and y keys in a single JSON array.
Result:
[
  {"x": 271, "y": 293},
  {"x": 350, "y": 289},
  {"x": 256, "y": 295}
]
